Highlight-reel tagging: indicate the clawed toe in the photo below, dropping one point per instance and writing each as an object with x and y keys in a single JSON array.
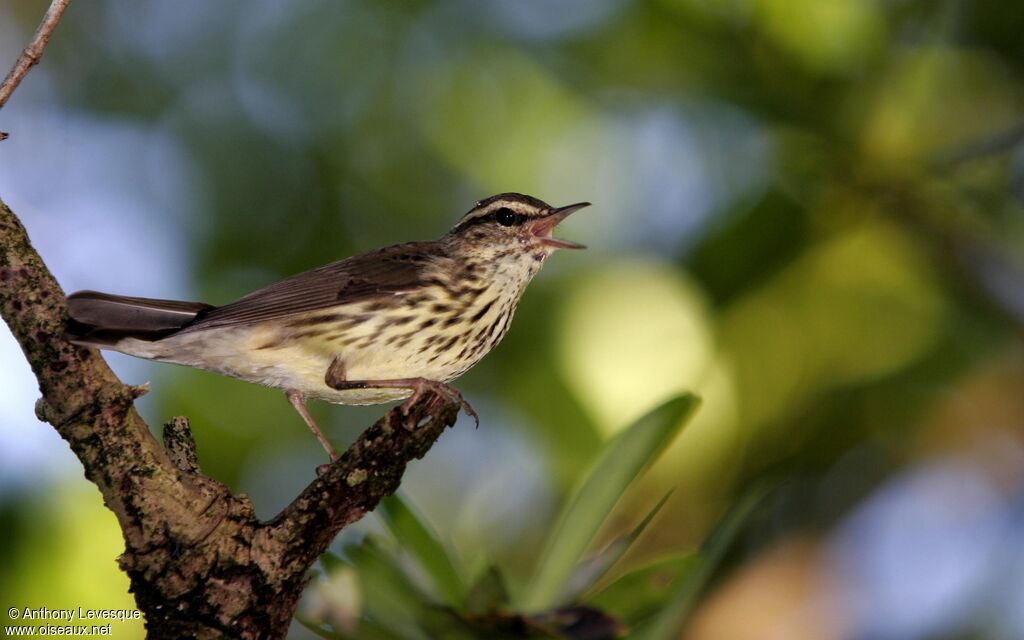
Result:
[
  {"x": 456, "y": 396},
  {"x": 448, "y": 393},
  {"x": 468, "y": 408}
]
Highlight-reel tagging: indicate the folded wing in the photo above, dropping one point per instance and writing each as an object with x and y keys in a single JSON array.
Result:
[{"x": 385, "y": 272}]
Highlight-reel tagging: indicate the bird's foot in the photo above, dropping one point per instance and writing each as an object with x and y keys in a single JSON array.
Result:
[{"x": 450, "y": 394}]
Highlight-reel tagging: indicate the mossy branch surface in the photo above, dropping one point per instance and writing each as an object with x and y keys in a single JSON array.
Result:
[{"x": 200, "y": 563}]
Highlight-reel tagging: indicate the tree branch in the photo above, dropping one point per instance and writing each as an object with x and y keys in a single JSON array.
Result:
[
  {"x": 32, "y": 53},
  {"x": 200, "y": 563},
  {"x": 371, "y": 469},
  {"x": 180, "y": 445}
]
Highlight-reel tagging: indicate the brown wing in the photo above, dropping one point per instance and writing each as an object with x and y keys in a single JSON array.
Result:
[{"x": 387, "y": 271}]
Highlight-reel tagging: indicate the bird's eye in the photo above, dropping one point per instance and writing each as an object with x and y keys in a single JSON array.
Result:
[{"x": 505, "y": 217}]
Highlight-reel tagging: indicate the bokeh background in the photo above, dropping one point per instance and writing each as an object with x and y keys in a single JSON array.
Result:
[{"x": 809, "y": 212}]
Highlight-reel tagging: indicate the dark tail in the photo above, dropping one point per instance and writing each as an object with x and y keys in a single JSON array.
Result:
[{"x": 101, "y": 320}]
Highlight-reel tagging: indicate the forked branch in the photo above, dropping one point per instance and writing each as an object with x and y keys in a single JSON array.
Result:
[{"x": 200, "y": 563}]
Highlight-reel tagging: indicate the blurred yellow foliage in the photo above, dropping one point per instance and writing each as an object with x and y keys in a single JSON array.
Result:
[
  {"x": 826, "y": 36},
  {"x": 854, "y": 308},
  {"x": 71, "y": 560}
]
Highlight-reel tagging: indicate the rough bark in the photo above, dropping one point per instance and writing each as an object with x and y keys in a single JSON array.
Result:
[{"x": 200, "y": 563}]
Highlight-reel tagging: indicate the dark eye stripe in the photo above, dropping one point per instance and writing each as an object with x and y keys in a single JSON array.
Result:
[{"x": 518, "y": 219}]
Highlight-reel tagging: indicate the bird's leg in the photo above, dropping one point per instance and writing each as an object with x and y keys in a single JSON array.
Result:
[
  {"x": 335, "y": 379},
  {"x": 299, "y": 402}
]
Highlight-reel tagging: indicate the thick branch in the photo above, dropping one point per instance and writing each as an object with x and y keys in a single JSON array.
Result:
[
  {"x": 83, "y": 399},
  {"x": 200, "y": 563}
]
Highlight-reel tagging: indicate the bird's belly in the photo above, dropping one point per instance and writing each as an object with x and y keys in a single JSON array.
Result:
[
  {"x": 299, "y": 367},
  {"x": 301, "y": 364},
  {"x": 267, "y": 355}
]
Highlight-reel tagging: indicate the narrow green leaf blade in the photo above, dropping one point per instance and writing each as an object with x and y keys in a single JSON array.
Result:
[
  {"x": 317, "y": 629},
  {"x": 419, "y": 541},
  {"x": 389, "y": 598},
  {"x": 488, "y": 594},
  {"x": 667, "y": 624},
  {"x": 589, "y": 572},
  {"x": 619, "y": 463},
  {"x": 641, "y": 594}
]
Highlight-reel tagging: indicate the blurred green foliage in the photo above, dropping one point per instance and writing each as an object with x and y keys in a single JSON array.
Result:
[
  {"x": 545, "y": 605},
  {"x": 807, "y": 212}
]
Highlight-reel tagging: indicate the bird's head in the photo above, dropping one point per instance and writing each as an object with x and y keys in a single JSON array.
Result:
[{"x": 512, "y": 224}]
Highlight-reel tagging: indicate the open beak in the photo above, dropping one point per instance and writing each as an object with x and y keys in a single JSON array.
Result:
[{"x": 543, "y": 227}]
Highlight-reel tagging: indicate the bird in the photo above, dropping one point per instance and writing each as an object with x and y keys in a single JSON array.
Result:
[{"x": 377, "y": 327}]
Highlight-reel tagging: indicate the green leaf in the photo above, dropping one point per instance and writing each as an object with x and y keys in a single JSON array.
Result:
[
  {"x": 370, "y": 630},
  {"x": 621, "y": 461},
  {"x": 419, "y": 541},
  {"x": 317, "y": 629},
  {"x": 488, "y": 594},
  {"x": 389, "y": 597},
  {"x": 642, "y": 593},
  {"x": 680, "y": 604},
  {"x": 590, "y": 571}
]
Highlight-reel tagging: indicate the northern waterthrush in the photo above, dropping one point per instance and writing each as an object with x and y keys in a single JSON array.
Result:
[{"x": 377, "y": 327}]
